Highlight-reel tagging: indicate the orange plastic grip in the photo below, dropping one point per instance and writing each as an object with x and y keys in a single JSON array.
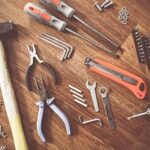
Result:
[
  {"x": 56, "y": 2},
  {"x": 37, "y": 11},
  {"x": 136, "y": 89}
]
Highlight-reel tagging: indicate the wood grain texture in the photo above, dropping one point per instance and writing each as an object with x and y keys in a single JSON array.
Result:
[{"x": 128, "y": 135}]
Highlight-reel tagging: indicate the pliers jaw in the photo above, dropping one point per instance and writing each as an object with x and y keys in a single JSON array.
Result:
[{"x": 33, "y": 55}]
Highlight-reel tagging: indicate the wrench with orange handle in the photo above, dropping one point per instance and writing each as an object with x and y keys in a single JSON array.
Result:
[{"x": 134, "y": 83}]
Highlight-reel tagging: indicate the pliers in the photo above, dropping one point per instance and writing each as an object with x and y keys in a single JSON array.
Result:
[
  {"x": 49, "y": 101},
  {"x": 33, "y": 55}
]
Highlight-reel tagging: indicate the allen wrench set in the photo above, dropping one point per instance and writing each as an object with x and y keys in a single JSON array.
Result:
[{"x": 67, "y": 49}]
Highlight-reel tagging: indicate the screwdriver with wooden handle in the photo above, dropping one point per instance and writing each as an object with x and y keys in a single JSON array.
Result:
[
  {"x": 69, "y": 12},
  {"x": 43, "y": 16}
]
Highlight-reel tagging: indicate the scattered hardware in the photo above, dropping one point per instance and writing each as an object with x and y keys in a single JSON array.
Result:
[
  {"x": 123, "y": 15},
  {"x": 146, "y": 43},
  {"x": 80, "y": 102},
  {"x": 78, "y": 96},
  {"x": 134, "y": 83},
  {"x": 104, "y": 5},
  {"x": 139, "y": 46},
  {"x": 141, "y": 114},
  {"x": 8, "y": 94},
  {"x": 2, "y": 133},
  {"x": 41, "y": 104},
  {"x": 3, "y": 148},
  {"x": 67, "y": 49},
  {"x": 69, "y": 12},
  {"x": 81, "y": 120},
  {"x": 45, "y": 17},
  {"x": 75, "y": 89},
  {"x": 33, "y": 54},
  {"x": 92, "y": 89},
  {"x": 76, "y": 93},
  {"x": 103, "y": 91}
]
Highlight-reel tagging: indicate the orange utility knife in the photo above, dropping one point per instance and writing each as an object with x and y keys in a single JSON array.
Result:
[{"x": 134, "y": 83}]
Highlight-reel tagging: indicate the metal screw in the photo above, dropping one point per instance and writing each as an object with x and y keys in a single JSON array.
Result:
[
  {"x": 105, "y": 3},
  {"x": 98, "y": 6},
  {"x": 109, "y": 4}
]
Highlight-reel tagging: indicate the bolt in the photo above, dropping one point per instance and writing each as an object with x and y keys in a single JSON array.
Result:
[
  {"x": 104, "y": 3},
  {"x": 98, "y": 6},
  {"x": 109, "y": 4}
]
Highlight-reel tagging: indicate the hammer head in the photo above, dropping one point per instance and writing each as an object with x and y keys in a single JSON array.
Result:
[{"x": 5, "y": 27}]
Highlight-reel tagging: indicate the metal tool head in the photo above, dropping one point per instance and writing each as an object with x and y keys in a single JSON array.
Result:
[
  {"x": 90, "y": 86},
  {"x": 103, "y": 91},
  {"x": 5, "y": 27},
  {"x": 41, "y": 89}
]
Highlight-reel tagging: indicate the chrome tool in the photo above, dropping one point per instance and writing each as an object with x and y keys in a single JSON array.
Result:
[
  {"x": 33, "y": 55},
  {"x": 147, "y": 112},
  {"x": 103, "y": 91},
  {"x": 67, "y": 49},
  {"x": 92, "y": 89},
  {"x": 69, "y": 12},
  {"x": 46, "y": 18}
]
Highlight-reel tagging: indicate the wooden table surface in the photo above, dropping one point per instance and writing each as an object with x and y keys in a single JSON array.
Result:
[{"x": 128, "y": 135}]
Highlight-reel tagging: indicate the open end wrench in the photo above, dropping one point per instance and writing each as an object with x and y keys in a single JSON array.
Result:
[{"x": 92, "y": 89}]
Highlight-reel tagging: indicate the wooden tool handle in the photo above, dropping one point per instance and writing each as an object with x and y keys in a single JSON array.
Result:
[{"x": 10, "y": 103}]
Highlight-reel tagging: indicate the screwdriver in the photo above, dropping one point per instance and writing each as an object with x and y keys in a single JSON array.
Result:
[
  {"x": 46, "y": 18},
  {"x": 69, "y": 12}
]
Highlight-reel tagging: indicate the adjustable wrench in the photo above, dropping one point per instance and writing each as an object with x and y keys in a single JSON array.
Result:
[
  {"x": 92, "y": 89},
  {"x": 103, "y": 91}
]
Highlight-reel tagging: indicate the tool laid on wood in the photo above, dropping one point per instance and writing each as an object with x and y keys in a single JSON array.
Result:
[
  {"x": 134, "y": 83},
  {"x": 90, "y": 121},
  {"x": 49, "y": 101},
  {"x": 147, "y": 112},
  {"x": 67, "y": 49},
  {"x": 2, "y": 132},
  {"x": 33, "y": 55},
  {"x": 92, "y": 89},
  {"x": 104, "y": 5},
  {"x": 8, "y": 94},
  {"x": 123, "y": 15},
  {"x": 139, "y": 46},
  {"x": 103, "y": 91},
  {"x": 142, "y": 45},
  {"x": 78, "y": 96},
  {"x": 46, "y": 18},
  {"x": 69, "y": 12}
]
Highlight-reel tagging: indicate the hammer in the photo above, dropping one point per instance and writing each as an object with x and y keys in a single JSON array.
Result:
[{"x": 9, "y": 95}]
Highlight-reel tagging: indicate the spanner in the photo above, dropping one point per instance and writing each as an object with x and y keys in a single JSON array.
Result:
[
  {"x": 92, "y": 89},
  {"x": 103, "y": 91}
]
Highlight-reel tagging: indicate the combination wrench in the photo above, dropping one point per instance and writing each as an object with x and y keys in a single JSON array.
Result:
[
  {"x": 92, "y": 89},
  {"x": 103, "y": 91}
]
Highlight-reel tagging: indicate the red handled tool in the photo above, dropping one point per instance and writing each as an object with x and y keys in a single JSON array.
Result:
[
  {"x": 69, "y": 12},
  {"x": 134, "y": 83},
  {"x": 45, "y": 17}
]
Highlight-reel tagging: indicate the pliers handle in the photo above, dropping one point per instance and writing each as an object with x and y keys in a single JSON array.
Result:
[{"x": 57, "y": 110}]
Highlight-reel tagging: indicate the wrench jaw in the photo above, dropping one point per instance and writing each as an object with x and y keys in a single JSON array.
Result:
[{"x": 90, "y": 86}]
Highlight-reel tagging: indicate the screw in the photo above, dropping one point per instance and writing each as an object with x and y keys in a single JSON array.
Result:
[
  {"x": 109, "y": 4},
  {"x": 104, "y": 3},
  {"x": 98, "y": 6}
]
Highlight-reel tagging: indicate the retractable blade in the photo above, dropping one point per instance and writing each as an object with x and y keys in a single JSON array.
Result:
[{"x": 134, "y": 83}]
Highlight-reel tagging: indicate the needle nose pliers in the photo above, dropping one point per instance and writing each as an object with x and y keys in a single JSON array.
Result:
[
  {"x": 33, "y": 55},
  {"x": 49, "y": 101}
]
